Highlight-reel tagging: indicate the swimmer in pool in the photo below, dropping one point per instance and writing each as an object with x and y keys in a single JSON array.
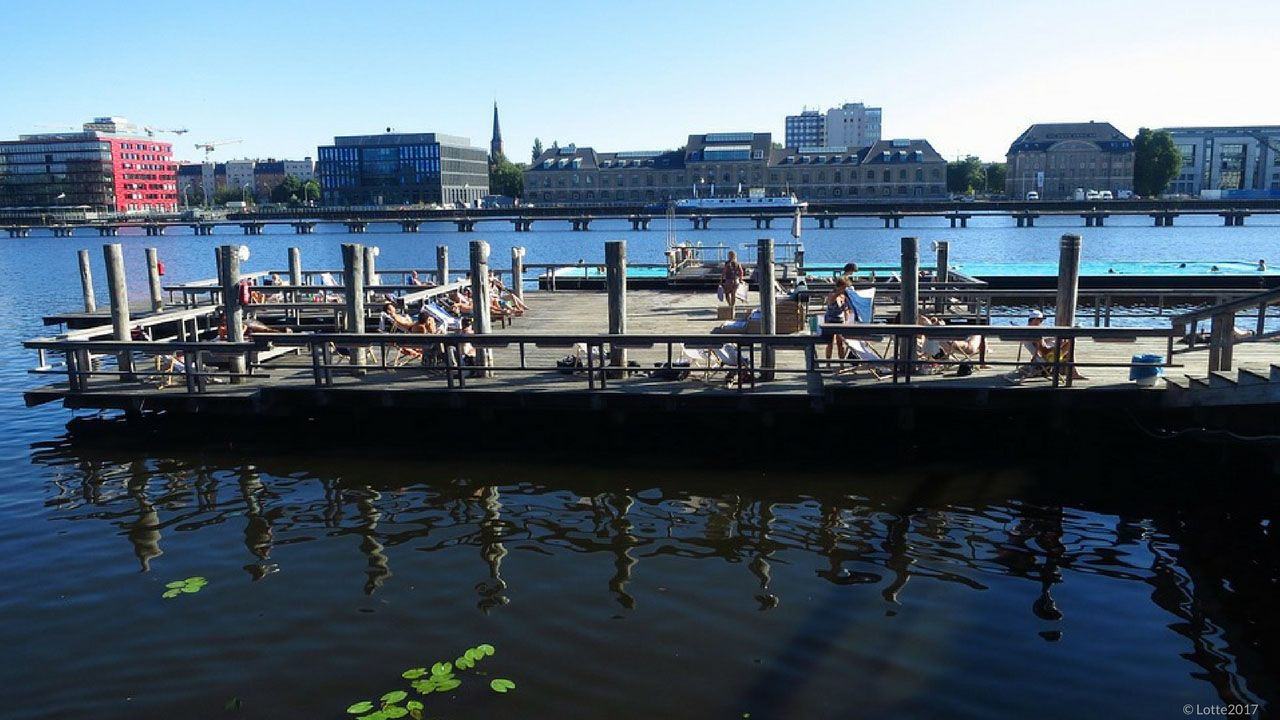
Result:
[
  {"x": 1214, "y": 269},
  {"x": 1262, "y": 265}
]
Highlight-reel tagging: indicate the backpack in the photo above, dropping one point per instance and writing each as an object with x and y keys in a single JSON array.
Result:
[{"x": 569, "y": 364}]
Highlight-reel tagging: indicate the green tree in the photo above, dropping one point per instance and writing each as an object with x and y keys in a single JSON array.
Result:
[
  {"x": 1156, "y": 161},
  {"x": 537, "y": 149},
  {"x": 289, "y": 190},
  {"x": 311, "y": 191},
  {"x": 996, "y": 172},
  {"x": 507, "y": 179},
  {"x": 966, "y": 176}
]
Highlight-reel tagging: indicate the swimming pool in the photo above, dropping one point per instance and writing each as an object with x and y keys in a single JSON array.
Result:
[{"x": 1034, "y": 269}]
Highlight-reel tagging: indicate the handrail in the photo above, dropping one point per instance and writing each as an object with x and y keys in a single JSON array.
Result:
[{"x": 1266, "y": 297}]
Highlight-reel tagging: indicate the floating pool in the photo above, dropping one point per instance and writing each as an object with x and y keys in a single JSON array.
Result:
[
  {"x": 597, "y": 271},
  {"x": 1035, "y": 269}
]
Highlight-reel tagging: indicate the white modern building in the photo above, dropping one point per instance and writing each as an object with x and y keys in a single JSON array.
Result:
[
  {"x": 853, "y": 124},
  {"x": 1227, "y": 158}
]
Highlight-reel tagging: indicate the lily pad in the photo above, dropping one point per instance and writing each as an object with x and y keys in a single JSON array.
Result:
[
  {"x": 486, "y": 648},
  {"x": 394, "y": 696},
  {"x": 442, "y": 668},
  {"x": 413, "y": 673},
  {"x": 426, "y": 687},
  {"x": 413, "y": 705},
  {"x": 379, "y": 715},
  {"x": 175, "y": 584},
  {"x": 171, "y": 594},
  {"x": 464, "y": 663},
  {"x": 501, "y": 685},
  {"x": 447, "y": 685},
  {"x": 360, "y": 707},
  {"x": 394, "y": 711}
]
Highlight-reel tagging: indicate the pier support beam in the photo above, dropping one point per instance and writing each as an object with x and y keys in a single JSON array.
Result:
[
  {"x": 86, "y": 283},
  {"x": 153, "y": 276},
  {"x": 768, "y": 304},
  {"x": 615, "y": 259},
  {"x": 480, "y": 296},
  {"x": 517, "y": 271},
  {"x": 353, "y": 282},
  {"x": 910, "y": 303},
  {"x": 295, "y": 275},
  {"x": 942, "y": 275},
  {"x": 108, "y": 231},
  {"x": 357, "y": 227},
  {"x": 304, "y": 228},
  {"x": 119, "y": 292},
  {"x": 409, "y": 226},
  {"x": 229, "y": 278},
  {"x": 1064, "y": 314},
  {"x": 442, "y": 264},
  {"x": 370, "y": 261}
]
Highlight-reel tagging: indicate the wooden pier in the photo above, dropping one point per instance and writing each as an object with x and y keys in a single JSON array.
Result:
[{"x": 647, "y": 356}]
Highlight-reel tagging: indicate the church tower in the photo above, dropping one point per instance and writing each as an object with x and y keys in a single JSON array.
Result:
[{"x": 495, "y": 145}]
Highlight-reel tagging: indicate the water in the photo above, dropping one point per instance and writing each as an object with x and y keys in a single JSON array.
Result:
[{"x": 1064, "y": 586}]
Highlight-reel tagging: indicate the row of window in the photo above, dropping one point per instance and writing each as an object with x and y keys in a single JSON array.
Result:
[
  {"x": 651, "y": 180},
  {"x": 815, "y": 193}
]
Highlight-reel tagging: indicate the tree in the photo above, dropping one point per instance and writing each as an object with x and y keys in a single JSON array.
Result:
[
  {"x": 311, "y": 191},
  {"x": 997, "y": 172},
  {"x": 289, "y": 190},
  {"x": 1156, "y": 161},
  {"x": 507, "y": 179},
  {"x": 966, "y": 176},
  {"x": 537, "y": 149}
]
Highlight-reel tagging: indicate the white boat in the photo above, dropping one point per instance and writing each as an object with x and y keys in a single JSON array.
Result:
[{"x": 747, "y": 202}]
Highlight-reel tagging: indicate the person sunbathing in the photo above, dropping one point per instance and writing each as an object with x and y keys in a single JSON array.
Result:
[
  {"x": 836, "y": 310},
  {"x": 1045, "y": 352}
]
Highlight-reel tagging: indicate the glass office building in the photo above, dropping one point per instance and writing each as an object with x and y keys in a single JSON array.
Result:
[{"x": 402, "y": 169}]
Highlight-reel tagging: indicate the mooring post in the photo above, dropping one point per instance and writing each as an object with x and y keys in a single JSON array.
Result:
[
  {"x": 480, "y": 295},
  {"x": 231, "y": 308},
  {"x": 941, "y": 275},
  {"x": 517, "y": 271},
  {"x": 353, "y": 289},
  {"x": 442, "y": 264},
  {"x": 153, "y": 275},
  {"x": 615, "y": 258},
  {"x": 910, "y": 302},
  {"x": 295, "y": 277},
  {"x": 768, "y": 303},
  {"x": 1064, "y": 315},
  {"x": 370, "y": 274},
  {"x": 86, "y": 283},
  {"x": 119, "y": 293}
]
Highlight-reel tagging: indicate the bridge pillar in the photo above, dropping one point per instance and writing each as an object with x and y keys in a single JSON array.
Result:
[
  {"x": 1020, "y": 220},
  {"x": 108, "y": 231},
  {"x": 357, "y": 228},
  {"x": 465, "y": 225},
  {"x": 153, "y": 230},
  {"x": 409, "y": 226},
  {"x": 62, "y": 232}
]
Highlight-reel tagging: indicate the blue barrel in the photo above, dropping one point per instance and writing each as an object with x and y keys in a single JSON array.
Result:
[{"x": 1146, "y": 369}]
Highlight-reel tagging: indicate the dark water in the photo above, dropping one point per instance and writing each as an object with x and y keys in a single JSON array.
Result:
[{"x": 1077, "y": 584}]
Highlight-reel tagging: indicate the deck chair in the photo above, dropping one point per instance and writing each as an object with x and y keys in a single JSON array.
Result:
[
  {"x": 860, "y": 350},
  {"x": 862, "y": 303},
  {"x": 447, "y": 319}
]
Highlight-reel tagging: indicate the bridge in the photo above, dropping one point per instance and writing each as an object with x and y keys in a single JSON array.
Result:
[{"x": 1163, "y": 213}]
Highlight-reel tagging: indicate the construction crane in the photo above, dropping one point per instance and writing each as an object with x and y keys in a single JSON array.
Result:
[
  {"x": 151, "y": 132},
  {"x": 209, "y": 146}
]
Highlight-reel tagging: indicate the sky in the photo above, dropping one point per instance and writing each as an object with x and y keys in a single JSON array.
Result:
[{"x": 286, "y": 77}]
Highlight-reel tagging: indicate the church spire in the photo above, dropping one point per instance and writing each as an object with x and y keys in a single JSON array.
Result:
[{"x": 495, "y": 145}]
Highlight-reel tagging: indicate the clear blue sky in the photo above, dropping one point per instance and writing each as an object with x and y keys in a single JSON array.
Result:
[{"x": 968, "y": 76}]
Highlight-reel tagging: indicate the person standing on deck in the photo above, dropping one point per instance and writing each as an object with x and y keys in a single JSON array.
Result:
[{"x": 731, "y": 279}]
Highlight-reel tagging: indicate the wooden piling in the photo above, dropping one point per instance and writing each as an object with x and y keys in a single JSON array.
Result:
[
  {"x": 442, "y": 264},
  {"x": 295, "y": 266},
  {"x": 910, "y": 301},
  {"x": 86, "y": 283},
  {"x": 942, "y": 275},
  {"x": 119, "y": 293},
  {"x": 517, "y": 271},
  {"x": 229, "y": 279},
  {"x": 768, "y": 302},
  {"x": 1068, "y": 280},
  {"x": 615, "y": 258},
  {"x": 153, "y": 276},
  {"x": 353, "y": 289},
  {"x": 480, "y": 295},
  {"x": 370, "y": 274}
]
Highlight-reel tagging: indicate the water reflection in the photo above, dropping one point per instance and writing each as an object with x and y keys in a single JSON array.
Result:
[{"x": 1212, "y": 573}]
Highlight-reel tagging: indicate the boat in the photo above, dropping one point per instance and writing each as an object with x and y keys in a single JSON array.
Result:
[{"x": 752, "y": 201}]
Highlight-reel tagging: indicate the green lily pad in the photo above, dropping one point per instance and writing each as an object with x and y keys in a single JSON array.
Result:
[
  {"x": 416, "y": 714},
  {"x": 394, "y": 696},
  {"x": 442, "y": 668},
  {"x": 379, "y": 715},
  {"x": 501, "y": 685},
  {"x": 474, "y": 654},
  {"x": 175, "y": 584},
  {"x": 413, "y": 705},
  {"x": 464, "y": 663},
  {"x": 360, "y": 707},
  {"x": 486, "y": 648},
  {"x": 171, "y": 594},
  {"x": 413, "y": 673},
  {"x": 394, "y": 711},
  {"x": 190, "y": 589},
  {"x": 447, "y": 685},
  {"x": 426, "y": 687}
]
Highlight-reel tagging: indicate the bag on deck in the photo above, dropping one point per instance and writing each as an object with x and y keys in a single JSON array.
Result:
[{"x": 568, "y": 365}]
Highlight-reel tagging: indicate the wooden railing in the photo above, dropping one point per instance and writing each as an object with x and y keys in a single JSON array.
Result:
[{"x": 1222, "y": 336}]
